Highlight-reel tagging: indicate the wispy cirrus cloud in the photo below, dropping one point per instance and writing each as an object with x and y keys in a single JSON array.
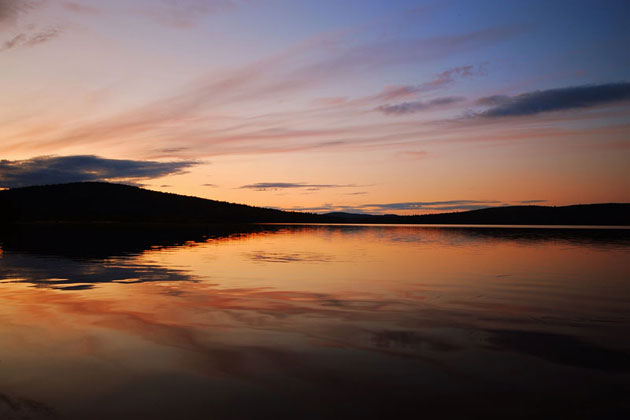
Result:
[
  {"x": 10, "y": 10},
  {"x": 270, "y": 186},
  {"x": 81, "y": 8},
  {"x": 561, "y": 99},
  {"x": 440, "y": 80},
  {"x": 183, "y": 13},
  {"x": 449, "y": 76},
  {"x": 400, "y": 51},
  {"x": 26, "y": 39},
  {"x": 63, "y": 169},
  {"x": 171, "y": 13},
  {"x": 299, "y": 68},
  {"x": 418, "y": 106}
]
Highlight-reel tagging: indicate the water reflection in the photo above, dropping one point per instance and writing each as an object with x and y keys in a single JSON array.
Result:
[
  {"x": 75, "y": 257},
  {"x": 69, "y": 274},
  {"x": 314, "y": 322}
]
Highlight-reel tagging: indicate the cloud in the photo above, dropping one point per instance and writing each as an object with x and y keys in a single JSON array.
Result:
[
  {"x": 532, "y": 201},
  {"x": 64, "y": 273},
  {"x": 80, "y": 8},
  {"x": 448, "y": 76},
  {"x": 31, "y": 39},
  {"x": 440, "y": 80},
  {"x": 432, "y": 205},
  {"x": 171, "y": 13},
  {"x": 184, "y": 13},
  {"x": 13, "y": 42},
  {"x": 494, "y": 100},
  {"x": 42, "y": 36},
  {"x": 64, "y": 169},
  {"x": 550, "y": 100},
  {"x": 10, "y": 10},
  {"x": 266, "y": 186},
  {"x": 390, "y": 52},
  {"x": 173, "y": 149},
  {"x": 452, "y": 205},
  {"x": 417, "y": 106},
  {"x": 195, "y": 116}
]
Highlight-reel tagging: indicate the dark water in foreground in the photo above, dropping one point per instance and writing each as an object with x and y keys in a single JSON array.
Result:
[{"x": 314, "y": 322}]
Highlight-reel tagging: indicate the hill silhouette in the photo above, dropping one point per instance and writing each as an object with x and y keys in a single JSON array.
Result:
[
  {"x": 106, "y": 202},
  {"x": 610, "y": 214},
  {"x": 98, "y": 202}
]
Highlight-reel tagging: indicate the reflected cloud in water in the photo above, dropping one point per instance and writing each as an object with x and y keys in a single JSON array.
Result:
[
  {"x": 278, "y": 321},
  {"x": 65, "y": 273}
]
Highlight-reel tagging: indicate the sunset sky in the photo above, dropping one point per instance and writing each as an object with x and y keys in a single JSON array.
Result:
[{"x": 366, "y": 106}]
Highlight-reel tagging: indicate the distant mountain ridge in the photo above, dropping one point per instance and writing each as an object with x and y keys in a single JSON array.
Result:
[
  {"x": 92, "y": 202},
  {"x": 607, "y": 214}
]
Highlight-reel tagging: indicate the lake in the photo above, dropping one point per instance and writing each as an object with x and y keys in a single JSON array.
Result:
[{"x": 310, "y": 322}]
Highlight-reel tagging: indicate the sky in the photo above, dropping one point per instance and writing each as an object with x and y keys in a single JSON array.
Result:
[{"x": 402, "y": 107}]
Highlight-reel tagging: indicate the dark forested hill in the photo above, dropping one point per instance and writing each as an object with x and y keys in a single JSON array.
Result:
[
  {"x": 580, "y": 214},
  {"x": 104, "y": 202}
]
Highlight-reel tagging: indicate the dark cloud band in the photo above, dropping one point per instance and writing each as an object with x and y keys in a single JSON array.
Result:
[
  {"x": 64, "y": 169},
  {"x": 432, "y": 205},
  {"x": 380, "y": 208},
  {"x": 540, "y": 101}
]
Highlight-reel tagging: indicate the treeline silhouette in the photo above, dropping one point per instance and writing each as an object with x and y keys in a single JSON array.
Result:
[
  {"x": 106, "y": 240},
  {"x": 610, "y": 214},
  {"x": 98, "y": 202},
  {"x": 106, "y": 202}
]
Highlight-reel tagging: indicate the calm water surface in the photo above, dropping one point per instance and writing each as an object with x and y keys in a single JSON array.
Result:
[{"x": 314, "y": 322}]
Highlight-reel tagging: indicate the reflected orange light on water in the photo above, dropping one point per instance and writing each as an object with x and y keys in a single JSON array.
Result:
[{"x": 260, "y": 310}]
